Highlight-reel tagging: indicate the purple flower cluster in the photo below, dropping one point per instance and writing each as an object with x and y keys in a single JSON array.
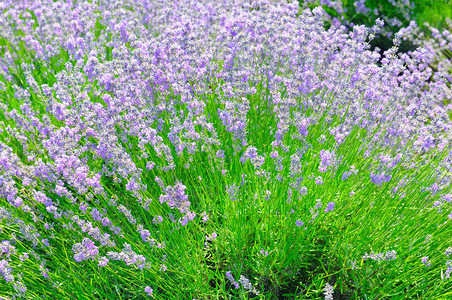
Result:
[
  {"x": 232, "y": 280},
  {"x": 329, "y": 206},
  {"x": 349, "y": 173},
  {"x": 6, "y": 270},
  {"x": 94, "y": 232},
  {"x": 6, "y": 249},
  {"x": 129, "y": 257},
  {"x": 426, "y": 261},
  {"x": 85, "y": 250},
  {"x": 148, "y": 290},
  {"x": 327, "y": 159},
  {"x": 390, "y": 255},
  {"x": 175, "y": 197},
  {"x": 380, "y": 178},
  {"x": 247, "y": 285}
]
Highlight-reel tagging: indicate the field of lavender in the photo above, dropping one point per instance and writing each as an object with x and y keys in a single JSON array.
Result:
[{"x": 236, "y": 149}]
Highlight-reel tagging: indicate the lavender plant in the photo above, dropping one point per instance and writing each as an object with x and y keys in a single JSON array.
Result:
[
  {"x": 409, "y": 23},
  {"x": 217, "y": 150}
]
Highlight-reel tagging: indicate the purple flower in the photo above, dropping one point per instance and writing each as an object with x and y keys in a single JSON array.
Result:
[
  {"x": 274, "y": 154},
  {"x": 24, "y": 256},
  {"x": 232, "y": 191},
  {"x": 83, "y": 206},
  {"x": 176, "y": 198},
  {"x": 145, "y": 234},
  {"x": 319, "y": 180},
  {"x": 103, "y": 261},
  {"x": 220, "y": 154},
  {"x": 157, "y": 220},
  {"x": 106, "y": 221},
  {"x": 250, "y": 153},
  {"x": 45, "y": 273},
  {"x": 299, "y": 223},
  {"x": 148, "y": 290},
  {"x": 379, "y": 178},
  {"x": 85, "y": 250},
  {"x": 425, "y": 261},
  {"x": 205, "y": 218},
  {"x": 448, "y": 270},
  {"x": 448, "y": 251},
  {"x": 327, "y": 159},
  {"x": 96, "y": 214},
  {"x": 150, "y": 165},
  {"x": 18, "y": 202},
  {"x": 6, "y": 249},
  {"x": 232, "y": 280},
  {"x": 329, "y": 207},
  {"x": 303, "y": 191}
]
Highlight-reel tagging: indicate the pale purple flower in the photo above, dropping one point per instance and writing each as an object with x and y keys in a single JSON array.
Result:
[
  {"x": 103, "y": 261},
  {"x": 448, "y": 270},
  {"x": 145, "y": 234},
  {"x": 319, "y": 180},
  {"x": 44, "y": 272},
  {"x": 304, "y": 191},
  {"x": 205, "y": 218},
  {"x": 150, "y": 165},
  {"x": 175, "y": 197},
  {"x": 6, "y": 249},
  {"x": 425, "y": 261},
  {"x": 157, "y": 220},
  {"x": 327, "y": 159},
  {"x": 83, "y": 207},
  {"x": 45, "y": 242},
  {"x": 274, "y": 154},
  {"x": 448, "y": 251},
  {"x": 23, "y": 257},
  {"x": 247, "y": 285},
  {"x": 328, "y": 291},
  {"x": 220, "y": 154},
  {"x": 85, "y": 250},
  {"x": 232, "y": 280},
  {"x": 148, "y": 290},
  {"x": 106, "y": 221},
  {"x": 390, "y": 255}
]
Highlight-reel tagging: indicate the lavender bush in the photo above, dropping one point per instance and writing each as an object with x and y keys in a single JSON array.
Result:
[
  {"x": 217, "y": 150},
  {"x": 403, "y": 20}
]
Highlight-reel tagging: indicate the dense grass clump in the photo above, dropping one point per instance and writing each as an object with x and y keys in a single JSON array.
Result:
[{"x": 219, "y": 150}]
